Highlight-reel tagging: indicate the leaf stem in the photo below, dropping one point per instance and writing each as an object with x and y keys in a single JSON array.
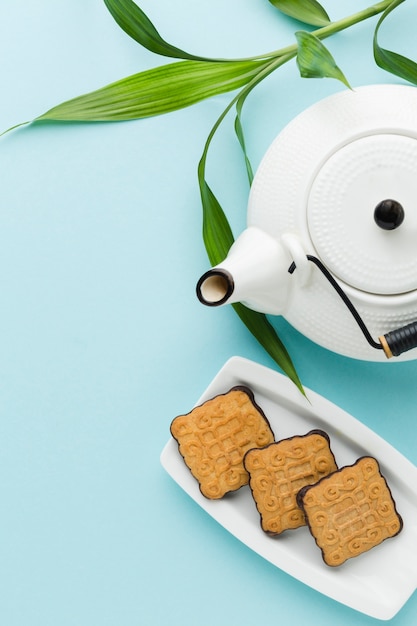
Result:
[
  {"x": 346, "y": 22},
  {"x": 333, "y": 27}
]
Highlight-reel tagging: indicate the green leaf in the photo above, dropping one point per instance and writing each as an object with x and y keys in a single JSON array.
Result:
[
  {"x": 264, "y": 332},
  {"x": 241, "y": 137},
  {"x": 217, "y": 234},
  {"x": 241, "y": 99},
  {"x": 307, "y": 11},
  {"x": 156, "y": 91},
  {"x": 314, "y": 60},
  {"x": 391, "y": 61},
  {"x": 218, "y": 238},
  {"x": 137, "y": 25}
]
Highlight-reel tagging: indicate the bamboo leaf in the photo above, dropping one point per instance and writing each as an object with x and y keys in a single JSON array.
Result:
[
  {"x": 241, "y": 99},
  {"x": 264, "y": 332},
  {"x": 137, "y": 25},
  {"x": 218, "y": 238},
  {"x": 156, "y": 91},
  {"x": 217, "y": 234},
  {"x": 391, "y": 61},
  {"x": 307, "y": 11},
  {"x": 314, "y": 60},
  {"x": 241, "y": 137}
]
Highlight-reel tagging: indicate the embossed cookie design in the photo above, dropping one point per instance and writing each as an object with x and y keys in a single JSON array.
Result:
[
  {"x": 278, "y": 472},
  {"x": 350, "y": 511},
  {"x": 214, "y": 437}
]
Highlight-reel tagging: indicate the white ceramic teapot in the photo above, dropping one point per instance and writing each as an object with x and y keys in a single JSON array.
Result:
[{"x": 331, "y": 242}]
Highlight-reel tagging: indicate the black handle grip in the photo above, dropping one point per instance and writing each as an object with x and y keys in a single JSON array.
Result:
[{"x": 401, "y": 340}]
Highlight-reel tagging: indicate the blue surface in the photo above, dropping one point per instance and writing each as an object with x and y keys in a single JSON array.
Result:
[{"x": 103, "y": 341}]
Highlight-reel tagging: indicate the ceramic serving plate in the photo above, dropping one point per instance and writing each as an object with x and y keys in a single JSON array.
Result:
[{"x": 377, "y": 583}]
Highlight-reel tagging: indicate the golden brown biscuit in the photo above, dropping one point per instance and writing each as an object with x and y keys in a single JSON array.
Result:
[
  {"x": 214, "y": 437},
  {"x": 277, "y": 473},
  {"x": 350, "y": 511}
]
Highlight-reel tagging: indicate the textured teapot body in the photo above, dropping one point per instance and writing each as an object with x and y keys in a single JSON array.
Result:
[{"x": 316, "y": 194}]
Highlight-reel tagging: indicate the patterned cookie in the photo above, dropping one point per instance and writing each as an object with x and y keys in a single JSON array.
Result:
[
  {"x": 214, "y": 437},
  {"x": 350, "y": 511},
  {"x": 278, "y": 472}
]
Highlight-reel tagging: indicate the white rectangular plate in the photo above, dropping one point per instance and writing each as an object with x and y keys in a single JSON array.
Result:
[{"x": 377, "y": 583}]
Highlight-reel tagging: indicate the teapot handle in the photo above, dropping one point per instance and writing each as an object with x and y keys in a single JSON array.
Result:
[
  {"x": 400, "y": 340},
  {"x": 393, "y": 343}
]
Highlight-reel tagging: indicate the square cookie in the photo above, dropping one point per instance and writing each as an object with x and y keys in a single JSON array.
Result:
[
  {"x": 350, "y": 511},
  {"x": 214, "y": 437},
  {"x": 278, "y": 471}
]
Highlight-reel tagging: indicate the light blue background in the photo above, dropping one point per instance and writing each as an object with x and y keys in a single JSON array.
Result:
[{"x": 103, "y": 342}]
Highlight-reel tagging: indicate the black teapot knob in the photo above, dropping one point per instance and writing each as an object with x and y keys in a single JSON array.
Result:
[{"x": 389, "y": 214}]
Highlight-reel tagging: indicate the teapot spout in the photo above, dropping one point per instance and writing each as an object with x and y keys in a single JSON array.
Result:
[{"x": 255, "y": 272}]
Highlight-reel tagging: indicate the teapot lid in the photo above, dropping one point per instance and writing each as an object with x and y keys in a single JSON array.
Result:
[
  {"x": 362, "y": 213},
  {"x": 343, "y": 175}
]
